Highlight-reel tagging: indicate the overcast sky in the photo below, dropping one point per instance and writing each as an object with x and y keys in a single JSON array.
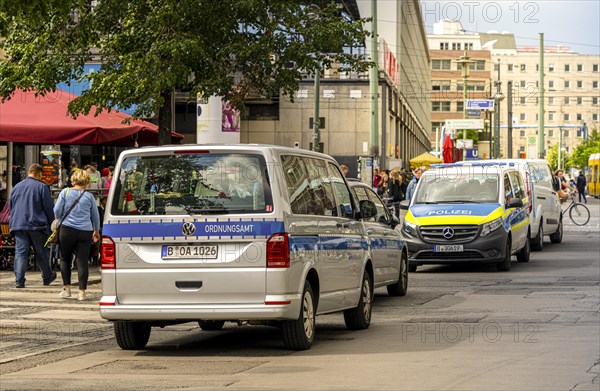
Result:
[{"x": 573, "y": 23}]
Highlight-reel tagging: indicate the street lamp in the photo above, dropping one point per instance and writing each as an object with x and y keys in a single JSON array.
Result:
[{"x": 464, "y": 62}]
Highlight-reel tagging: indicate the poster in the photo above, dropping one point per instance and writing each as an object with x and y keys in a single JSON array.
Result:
[
  {"x": 50, "y": 161},
  {"x": 231, "y": 118}
]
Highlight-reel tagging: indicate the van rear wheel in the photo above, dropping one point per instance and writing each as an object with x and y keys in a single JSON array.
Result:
[
  {"x": 359, "y": 318},
  {"x": 299, "y": 334},
  {"x": 132, "y": 335}
]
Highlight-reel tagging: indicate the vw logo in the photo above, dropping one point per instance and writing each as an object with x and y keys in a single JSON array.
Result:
[
  {"x": 448, "y": 233},
  {"x": 188, "y": 229}
]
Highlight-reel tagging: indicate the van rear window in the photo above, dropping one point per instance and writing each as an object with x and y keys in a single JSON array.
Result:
[{"x": 192, "y": 184}]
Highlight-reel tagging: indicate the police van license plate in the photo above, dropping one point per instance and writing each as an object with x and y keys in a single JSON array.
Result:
[
  {"x": 448, "y": 248},
  {"x": 207, "y": 251}
]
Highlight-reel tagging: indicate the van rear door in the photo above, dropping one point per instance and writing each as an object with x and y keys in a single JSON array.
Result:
[{"x": 191, "y": 228}]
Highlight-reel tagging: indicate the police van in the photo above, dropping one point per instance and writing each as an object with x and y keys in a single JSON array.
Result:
[
  {"x": 468, "y": 213},
  {"x": 243, "y": 233}
]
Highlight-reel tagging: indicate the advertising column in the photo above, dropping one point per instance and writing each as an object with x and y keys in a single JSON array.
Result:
[{"x": 217, "y": 121}]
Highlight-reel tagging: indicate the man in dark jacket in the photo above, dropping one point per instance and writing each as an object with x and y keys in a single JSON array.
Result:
[
  {"x": 31, "y": 213},
  {"x": 581, "y": 183}
]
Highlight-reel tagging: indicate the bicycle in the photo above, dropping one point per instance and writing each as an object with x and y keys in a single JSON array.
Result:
[{"x": 579, "y": 213}]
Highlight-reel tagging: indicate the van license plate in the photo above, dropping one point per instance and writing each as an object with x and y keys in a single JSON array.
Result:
[
  {"x": 448, "y": 248},
  {"x": 208, "y": 251}
]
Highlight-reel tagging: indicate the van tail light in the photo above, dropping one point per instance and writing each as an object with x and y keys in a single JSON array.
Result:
[
  {"x": 108, "y": 260},
  {"x": 278, "y": 251}
]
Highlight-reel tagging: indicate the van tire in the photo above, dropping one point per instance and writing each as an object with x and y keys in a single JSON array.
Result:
[
  {"x": 132, "y": 335},
  {"x": 299, "y": 334},
  {"x": 557, "y": 236},
  {"x": 400, "y": 287},
  {"x": 504, "y": 265},
  {"x": 359, "y": 318},
  {"x": 537, "y": 243},
  {"x": 524, "y": 254},
  {"x": 211, "y": 325}
]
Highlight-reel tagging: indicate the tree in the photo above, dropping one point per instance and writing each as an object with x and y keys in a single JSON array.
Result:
[
  {"x": 149, "y": 48},
  {"x": 581, "y": 154}
]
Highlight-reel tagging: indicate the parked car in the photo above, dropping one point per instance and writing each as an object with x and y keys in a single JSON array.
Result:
[
  {"x": 468, "y": 213},
  {"x": 388, "y": 251},
  {"x": 242, "y": 233}
]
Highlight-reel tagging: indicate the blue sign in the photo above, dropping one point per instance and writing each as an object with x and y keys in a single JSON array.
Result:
[
  {"x": 472, "y": 154},
  {"x": 482, "y": 104}
]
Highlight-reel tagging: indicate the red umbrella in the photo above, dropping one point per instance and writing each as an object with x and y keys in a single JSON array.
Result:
[
  {"x": 448, "y": 153},
  {"x": 28, "y": 119}
]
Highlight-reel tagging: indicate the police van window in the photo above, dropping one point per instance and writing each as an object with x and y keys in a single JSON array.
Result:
[
  {"x": 517, "y": 184},
  {"x": 360, "y": 194},
  {"x": 508, "y": 193},
  {"x": 192, "y": 184},
  {"x": 296, "y": 178},
  {"x": 451, "y": 187},
  {"x": 342, "y": 194},
  {"x": 382, "y": 215},
  {"x": 322, "y": 201}
]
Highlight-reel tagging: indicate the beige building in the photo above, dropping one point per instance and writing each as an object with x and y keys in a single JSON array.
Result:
[
  {"x": 403, "y": 95},
  {"x": 572, "y": 92}
]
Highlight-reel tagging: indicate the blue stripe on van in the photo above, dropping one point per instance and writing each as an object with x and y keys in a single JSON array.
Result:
[{"x": 203, "y": 229}]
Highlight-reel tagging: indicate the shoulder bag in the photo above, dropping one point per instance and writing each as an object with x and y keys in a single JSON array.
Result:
[{"x": 55, "y": 226}]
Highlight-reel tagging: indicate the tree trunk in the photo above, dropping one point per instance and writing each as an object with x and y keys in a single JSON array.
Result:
[{"x": 165, "y": 116}]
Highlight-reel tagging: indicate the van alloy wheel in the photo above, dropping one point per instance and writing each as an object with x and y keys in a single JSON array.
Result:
[
  {"x": 359, "y": 318},
  {"x": 299, "y": 334}
]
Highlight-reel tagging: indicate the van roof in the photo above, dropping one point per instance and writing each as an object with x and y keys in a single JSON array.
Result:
[
  {"x": 216, "y": 146},
  {"x": 487, "y": 168}
]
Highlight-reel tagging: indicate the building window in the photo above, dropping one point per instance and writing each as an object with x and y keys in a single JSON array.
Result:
[
  {"x": 522, "y": 83},
  {"x": 522, "y": 133},
  {"x": 537, "y": 67},
  {"x": 444, "y": 45},
  {"x": 440, "y": 85},
  {"x": 594, "y": 117},
  {"x": 550, "y": 116},
  {"x": 595, "y": 68},
  {"x": 522, "y": 117},
  {"x": 595, "y": 100},
  {"x": 537, "y": 117},
  {"x": 551, "y": 133},
  {"x": 550, "y": 100},
  {"x": 523, "y": 67},
  {"x": 440, "y": 65},
  {"x": 522, "y": 100},
  {"x": 566, "y": 117},
  {"x": 460, "y": 106},
  {"x": 455, "y": 45},
  {"x": 579, "y": 100},
  {"x": 579, "y": 117},
  {"x": 566, "y": 100},
  {"x": 468, "y": 46},
  {"x": 550, "y": 67},
  {"x": 567, "y": 84},
  {"x": 551, "y": 84},
  {"x": 567, "y": 67},
  {"x": 496, "y": 66},
  {"x": 579, "y": 67},
  {"x": 595, "y": 84},
  {"x": 440, "y": 106},
  {"x": 478, "y": 65},
  {"x": 579, "y": 83},
  {"x": 510, "y": 67},
  {"x": 566, "y": 134}
]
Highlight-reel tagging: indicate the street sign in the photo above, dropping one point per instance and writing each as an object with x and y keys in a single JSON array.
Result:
[
  {"x": 483, "y": 104},
  {"x": 473, "y": 113},
  {"x": 464, "y": 124},
  {"x": 464, "y": 143},
  {"x": 472, "y": 154}
]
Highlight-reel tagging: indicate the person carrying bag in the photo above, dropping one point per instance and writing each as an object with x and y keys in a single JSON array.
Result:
[{"x": 55, "y": 226}]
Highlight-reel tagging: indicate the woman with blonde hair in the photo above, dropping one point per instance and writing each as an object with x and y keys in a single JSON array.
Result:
[{"x": 80, "y": 226}]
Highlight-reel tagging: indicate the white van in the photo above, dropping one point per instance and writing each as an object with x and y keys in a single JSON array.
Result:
[
  {"x": 241, "y": 233},
  {"x": 545, "y": 217}
]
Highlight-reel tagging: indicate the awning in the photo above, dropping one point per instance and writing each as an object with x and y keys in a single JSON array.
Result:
[
  {"x": 424, "y": 159},
  {"x": 28, "y": 119}
]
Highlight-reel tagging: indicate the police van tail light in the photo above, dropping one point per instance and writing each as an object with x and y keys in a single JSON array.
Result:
[
  {"x": 278, "y": 251},
  {"x": 108, "y": 260}
]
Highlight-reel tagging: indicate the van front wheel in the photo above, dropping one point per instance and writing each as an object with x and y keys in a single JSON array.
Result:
[
  {"x": 299, "y": 334},
  {"x": 132, "y": 335},
  {"x": 537, "y": 243},
  {"x": 504, "y": 265}
]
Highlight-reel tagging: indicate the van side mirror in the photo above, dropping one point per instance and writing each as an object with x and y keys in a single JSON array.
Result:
[
  {"x": 404, "y": 204},
  {"x": 514, "y": 203},
  {"x": 367, "y": 209}
]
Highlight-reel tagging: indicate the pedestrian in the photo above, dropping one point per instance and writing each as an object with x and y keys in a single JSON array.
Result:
[
  {"x": 413, "y": 183},
  {"x": 396, "y": 191},
  {"x": 31, "y": 214},
  {"x": 382, "y": 190},
  {"x": 72, "y": 168},
  {"x": 376, "y": 178},
  {"x": 344, "y": 169},
  {"x": 581, "y": 183},
  {"x": 95, "y": 177},
  {"x": 109, "y": 177},
  {"x": 79, "y": 229}
]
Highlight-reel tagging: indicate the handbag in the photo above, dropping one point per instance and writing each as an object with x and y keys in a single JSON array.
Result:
[{"x": 56, "y": 224}]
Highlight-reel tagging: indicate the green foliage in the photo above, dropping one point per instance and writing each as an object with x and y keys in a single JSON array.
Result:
[
  {"x": 148, "y": 48},
  {"x": 581, "y": 155}
]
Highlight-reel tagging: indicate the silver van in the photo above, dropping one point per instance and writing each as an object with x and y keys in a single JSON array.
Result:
[{"x": 242, "y": 233}]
